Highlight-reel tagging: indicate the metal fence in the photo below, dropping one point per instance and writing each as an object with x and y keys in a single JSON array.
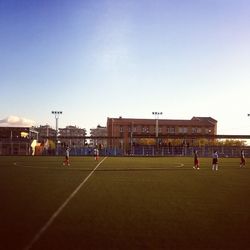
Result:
[
  {"x": 24, "y": 148},
  {"x": 15, "y": 148}
]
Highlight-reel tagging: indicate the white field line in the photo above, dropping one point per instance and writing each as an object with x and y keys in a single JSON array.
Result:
[
  {"x": 52, "y": 168},
  {"x": 27, "y": 166},
  {"x": 59, "y": 210},
  {"x": 180, "y": 165},
  {"x": 176, "y": 165}
]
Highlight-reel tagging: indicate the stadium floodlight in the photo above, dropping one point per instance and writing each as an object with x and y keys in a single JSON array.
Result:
[
  {"x": 248, "y": 114},
  {"x": 57, "y": 114},
  {"x": 156, "y": 114}
]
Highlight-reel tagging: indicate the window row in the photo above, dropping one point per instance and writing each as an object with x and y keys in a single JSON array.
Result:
[{"x": 164, "y": 129}]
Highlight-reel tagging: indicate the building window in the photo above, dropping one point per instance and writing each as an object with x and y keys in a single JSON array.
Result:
[
  {"x": 183, "y": 130},
  {"x": 196, "y": 130},
  {"x": 172, "y": 130}
]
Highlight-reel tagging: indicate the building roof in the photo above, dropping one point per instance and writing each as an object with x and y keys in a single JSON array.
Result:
[
  {"x": 206, "y": 119},
  {"x": 195, "y": 121}
]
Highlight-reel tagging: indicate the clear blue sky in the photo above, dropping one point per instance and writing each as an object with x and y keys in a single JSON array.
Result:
[{"x": 110, "y": 58}]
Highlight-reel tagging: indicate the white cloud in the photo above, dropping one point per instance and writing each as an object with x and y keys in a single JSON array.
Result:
[{"x": 15, "y": 121}]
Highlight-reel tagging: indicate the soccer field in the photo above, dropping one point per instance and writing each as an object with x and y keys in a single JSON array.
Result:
[{"x": 123, "y": 203}]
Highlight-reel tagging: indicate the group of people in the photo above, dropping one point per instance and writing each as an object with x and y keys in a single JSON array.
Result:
[
  {"x": 215, "y": 161},
  {"x": 215, "y": 158},
  {"x": 67, "y": 150}
]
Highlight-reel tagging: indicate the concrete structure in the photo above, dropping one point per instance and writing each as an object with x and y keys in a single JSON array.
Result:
[
  {"x": 98, "y": 133},
  {"x": 45, "y": 131},
  {"x": 16, "y": 140},
  {"x": 72, "y": 132}
]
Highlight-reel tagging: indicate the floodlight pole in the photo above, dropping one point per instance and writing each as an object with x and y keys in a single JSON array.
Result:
[
  {"x": 112, "y": 131},
  {"x": 131, "y": 138},
  {"x": 248, "y": 114},
  {"x": 57, "y": 114},
  {"x": 157, "y": 114}
]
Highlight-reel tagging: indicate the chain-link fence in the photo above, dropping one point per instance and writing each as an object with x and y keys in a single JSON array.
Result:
[
  {"x": 15, "y": 148},
  {"x": 24, "y": 148}
]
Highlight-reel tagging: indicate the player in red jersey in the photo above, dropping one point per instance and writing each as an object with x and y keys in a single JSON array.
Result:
[{"x": 196, "y": 160}]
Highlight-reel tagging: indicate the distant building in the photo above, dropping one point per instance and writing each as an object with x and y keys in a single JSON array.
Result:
[
  {"x": 69, "y": 136},
  {"x": 16, "y": 140},
  {"x": 45, "y": 131},
  {"x": 98, "y": 133},
  {"x": 130, "y": 131}
]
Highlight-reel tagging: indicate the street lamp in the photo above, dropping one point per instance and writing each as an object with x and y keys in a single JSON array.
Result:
[{"x": 57, "y": 114}]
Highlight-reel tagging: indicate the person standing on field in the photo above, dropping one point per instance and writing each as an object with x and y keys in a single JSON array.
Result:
[
  {"x": 96, "y": 154},
  {"x": 242, "y": 159},
  {"x": 215, "y": 161},
  {"x": 66, "y": 160},
  {"x": 196, "y": 160}
]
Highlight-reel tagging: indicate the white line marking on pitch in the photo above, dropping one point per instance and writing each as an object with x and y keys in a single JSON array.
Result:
[
  {"x": 59, "y": 210},
  {"x": 180, "y": 166},
  {"x": 51, "y": 168}
]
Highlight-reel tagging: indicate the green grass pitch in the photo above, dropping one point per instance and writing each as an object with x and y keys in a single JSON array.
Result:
[{"x": 126, "y": 203}]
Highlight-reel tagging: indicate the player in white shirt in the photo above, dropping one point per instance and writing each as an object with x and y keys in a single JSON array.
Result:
[
  {"x": 66, "y": 160},
  {"x": 96, "y": 154}
]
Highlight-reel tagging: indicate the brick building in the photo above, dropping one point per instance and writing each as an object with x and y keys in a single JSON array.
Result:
[{"x": 130, "y": 131}]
